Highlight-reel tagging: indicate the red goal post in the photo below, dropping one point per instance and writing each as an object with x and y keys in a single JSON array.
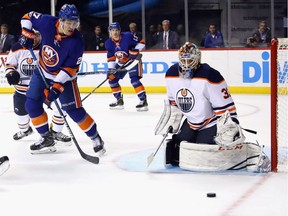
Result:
[{"x": 279, "y": 104}]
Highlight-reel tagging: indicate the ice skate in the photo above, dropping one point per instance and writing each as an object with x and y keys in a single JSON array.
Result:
[
  {"x": 98, "y": 146},
  {"x": 118, "y": 105},
  {"x": 44, "y": 145},
  {"x": 4, "y": 164},
  {"x": 142, "y": 106},
  {"x": 19, "y": 135},
  {"x": 59, "y": 136}
]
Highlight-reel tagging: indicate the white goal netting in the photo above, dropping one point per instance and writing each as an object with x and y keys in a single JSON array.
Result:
[{"x": 282, "y": 104}]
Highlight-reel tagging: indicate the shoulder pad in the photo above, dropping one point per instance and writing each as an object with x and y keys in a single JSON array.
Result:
[
  {"x": 173, "y": 71},
  {"x": 209, "y": 73}
]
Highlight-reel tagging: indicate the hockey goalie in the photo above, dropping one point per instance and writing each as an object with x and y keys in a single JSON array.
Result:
[{"x": 206, "y": 132}]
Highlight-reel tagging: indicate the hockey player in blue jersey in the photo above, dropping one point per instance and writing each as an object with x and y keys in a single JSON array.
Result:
[
  {"x": 123, "y": 47},
  {"x": 19, "y": 68},
  {"x": 60, "y": 55}
]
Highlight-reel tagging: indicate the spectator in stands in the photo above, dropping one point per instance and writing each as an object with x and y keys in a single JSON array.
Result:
[
  {"x": 261, "y": 37},
  {"x": 97, "y": 41},
  {"x": 167, "y": 39},
  {"x": 134, "y": 31},
  {"x": 151, "y": 38},
  {"x": 214, "y": 37},
  {"x": 6, "y": 39}
]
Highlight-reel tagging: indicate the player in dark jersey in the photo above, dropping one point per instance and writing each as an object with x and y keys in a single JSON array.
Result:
[
  {"x": 19, "y": 68},
  {"x": 121, "y": 48},
  {"x": 60, "y": 55}
]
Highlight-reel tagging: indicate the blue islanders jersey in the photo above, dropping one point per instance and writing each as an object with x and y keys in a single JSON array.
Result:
[
  {"x": 57, "y": 53},
  {"x": 118, "y": 51},
  {"x": 202, "y": 99}
]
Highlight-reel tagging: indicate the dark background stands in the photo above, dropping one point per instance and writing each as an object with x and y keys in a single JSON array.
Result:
[{"x": 6, "y": 39}]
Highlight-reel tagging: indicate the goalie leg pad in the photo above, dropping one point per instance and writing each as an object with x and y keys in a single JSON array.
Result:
[{"x": 204, "y": 157}]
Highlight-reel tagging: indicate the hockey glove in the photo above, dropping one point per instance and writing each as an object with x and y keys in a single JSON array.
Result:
[
  {"x": 27, "y": 38},
  {"x": 54, "y": 92},
  {"x": 13, "y": 77},
  {"x": 133, "y": 53}
]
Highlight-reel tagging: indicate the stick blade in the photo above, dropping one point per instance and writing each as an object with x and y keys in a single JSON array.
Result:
[
  {"x": 92, "y": 159},
  {"x": 150, "y": 159}
]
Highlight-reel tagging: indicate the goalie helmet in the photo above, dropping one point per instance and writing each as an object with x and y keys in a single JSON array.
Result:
[
  {"x": 189, "y": 58},
  {"x": 69, "y": 12}
]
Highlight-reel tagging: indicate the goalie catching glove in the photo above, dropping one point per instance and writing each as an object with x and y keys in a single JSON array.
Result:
[
  {"x": 229, "y": 133},
  {"x": 171, "y": 116}
]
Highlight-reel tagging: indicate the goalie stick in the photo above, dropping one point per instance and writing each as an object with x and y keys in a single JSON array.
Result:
[
  {"x": 92, "y": 159},
  {"x": 150, "y": 158},
  {"x": 126, "y": 67}
]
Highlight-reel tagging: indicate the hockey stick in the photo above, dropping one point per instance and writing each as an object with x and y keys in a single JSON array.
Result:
[
  {"x": 103, "y": 72},
  {"x": 128, "y": 66},
  {"x": 150, "y": 158},
  {"x": 92, "y": 159}
]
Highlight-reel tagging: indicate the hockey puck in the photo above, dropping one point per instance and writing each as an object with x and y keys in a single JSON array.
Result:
[{"x": 211, "y": 195}]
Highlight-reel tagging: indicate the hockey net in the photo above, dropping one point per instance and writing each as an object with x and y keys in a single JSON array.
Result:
[{"x": 279, "y": 105}]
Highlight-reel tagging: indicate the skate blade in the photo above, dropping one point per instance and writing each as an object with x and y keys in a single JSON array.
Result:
[
  {"x": 62, "y": 143},
  {"x": 101, "y": 152},
  {"x": 142, "y": 109},
  {"x": 4, "y": 167},
  {"x": 117, "y": 108},
  {"x": 44, "y": 150}
]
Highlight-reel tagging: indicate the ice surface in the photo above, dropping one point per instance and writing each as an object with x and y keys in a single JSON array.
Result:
[{"x": 62, "y": 183}]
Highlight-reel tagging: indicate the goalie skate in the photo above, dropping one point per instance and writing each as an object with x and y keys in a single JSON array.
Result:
[
  {"x": 118, "y": 105},
  {"x": 19, "y": 135},
  {"x": 142, "y": 106},
  {"x": 44, "y": 145},
  {"x": 4, "y": 164}
]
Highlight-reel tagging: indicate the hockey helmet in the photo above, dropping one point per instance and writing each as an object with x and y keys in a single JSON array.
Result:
[
  {"x": 69, "y": 12},
  {"x": 114, "y": 25},
  {"x": 189, "y": 57}
]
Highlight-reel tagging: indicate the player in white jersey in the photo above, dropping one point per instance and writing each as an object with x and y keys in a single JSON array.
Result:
[
  {"x": 19, "y": 69},
  {"x": 200, "y": 93}
]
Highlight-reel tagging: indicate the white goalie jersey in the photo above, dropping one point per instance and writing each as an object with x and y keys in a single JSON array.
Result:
[
  {"x": 20, "y": 60},
  {"x": 202, "y": 99}
]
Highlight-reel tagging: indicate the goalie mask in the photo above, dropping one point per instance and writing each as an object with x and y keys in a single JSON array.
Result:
[{"x": 189, "y": 58}]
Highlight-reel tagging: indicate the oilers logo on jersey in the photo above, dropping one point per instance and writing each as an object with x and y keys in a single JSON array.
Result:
[
  {"x": 50, "y": 56},
  {"x": 185, "y": 100},
  {"x": 27, "y": 66}
]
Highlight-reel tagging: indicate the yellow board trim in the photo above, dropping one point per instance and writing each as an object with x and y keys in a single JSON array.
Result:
[{"x": 160, "y": 89}]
